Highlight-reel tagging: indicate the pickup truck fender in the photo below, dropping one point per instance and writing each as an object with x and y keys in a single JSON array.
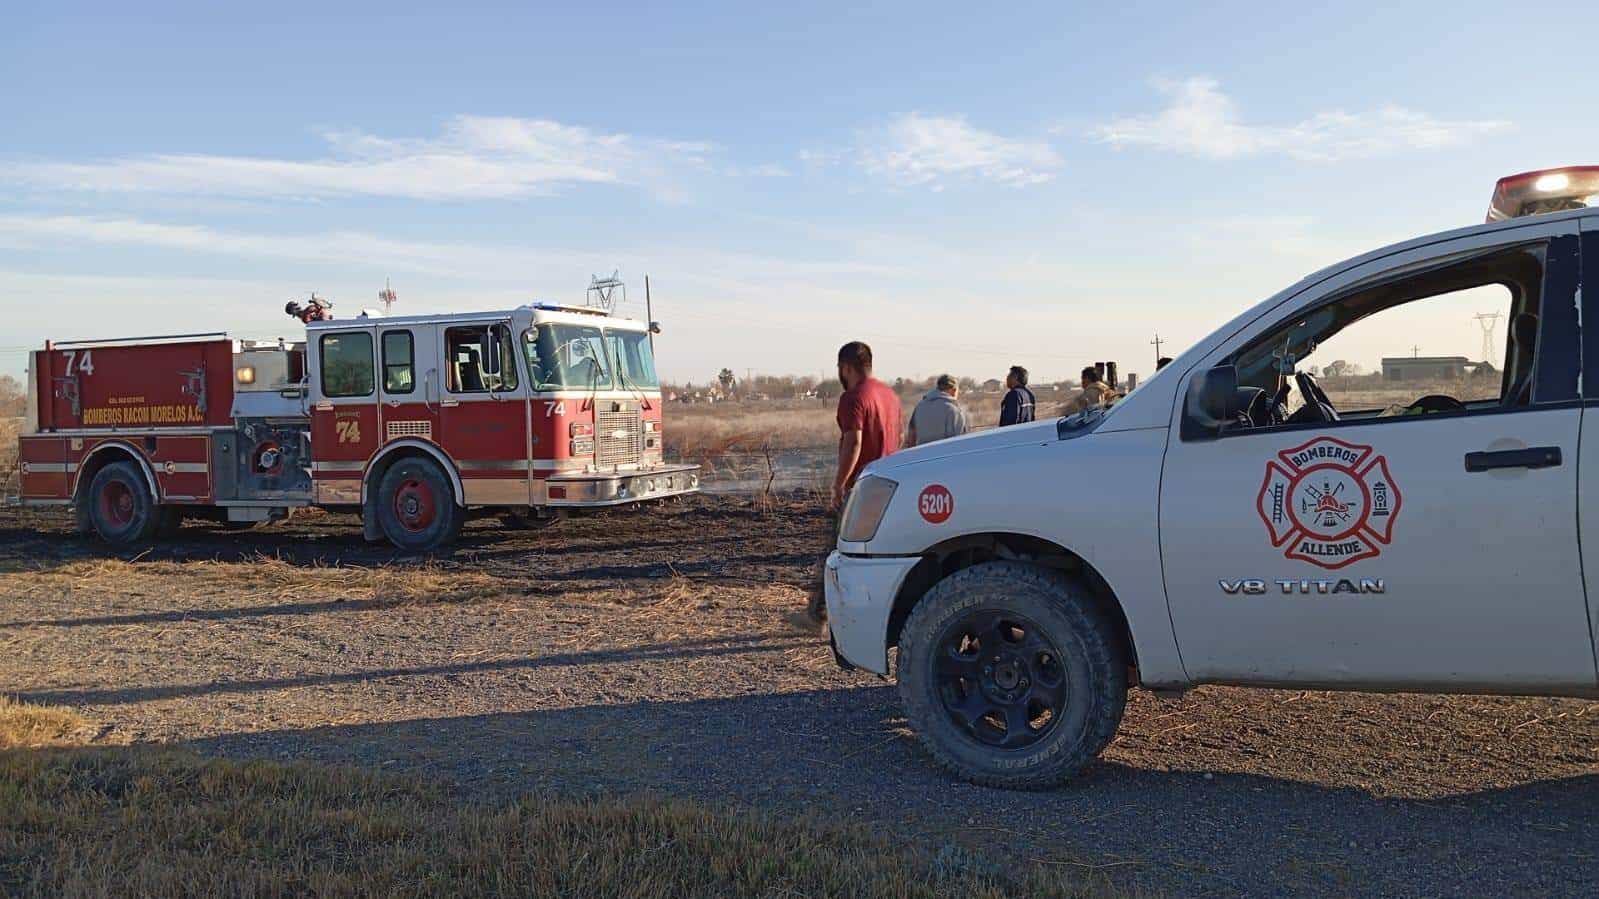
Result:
[{"x": 1094, "y": 498}]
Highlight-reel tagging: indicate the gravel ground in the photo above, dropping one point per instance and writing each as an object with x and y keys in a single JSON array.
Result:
[{"x": 647, "y": 651}]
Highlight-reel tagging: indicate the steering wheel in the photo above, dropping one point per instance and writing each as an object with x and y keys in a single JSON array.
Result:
[
  {"x": 1319, "y": 407},
  {"x": 1435, "y": 402}
]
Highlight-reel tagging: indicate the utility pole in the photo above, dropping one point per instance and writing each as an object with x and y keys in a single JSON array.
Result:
[
  {"x": 1415, "y": 351},
  {"x": 1157, "y": 342},
  {"x": 649, "y": 314}
]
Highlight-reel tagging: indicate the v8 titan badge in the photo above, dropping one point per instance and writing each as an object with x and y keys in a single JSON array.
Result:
[{"x": 1329, "y": 503}]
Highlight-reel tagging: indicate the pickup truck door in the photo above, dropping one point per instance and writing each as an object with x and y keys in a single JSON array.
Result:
[{"x": 1411, "y": 551}]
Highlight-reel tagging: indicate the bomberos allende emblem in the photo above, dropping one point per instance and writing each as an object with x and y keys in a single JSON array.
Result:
[{"x": 1329, "y": 503}]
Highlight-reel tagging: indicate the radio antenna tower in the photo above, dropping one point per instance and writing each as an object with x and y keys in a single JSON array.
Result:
[
  {"x": 602, "y": 291},
  {"x": 388, "y": 297},
  {"x": 1488, "y": 320}
]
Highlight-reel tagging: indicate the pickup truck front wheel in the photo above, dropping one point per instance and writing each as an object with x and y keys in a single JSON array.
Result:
[{"x": 1011, "y": 676}]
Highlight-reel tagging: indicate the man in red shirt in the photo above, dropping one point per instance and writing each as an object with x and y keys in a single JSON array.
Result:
[
  {"x": 868, "y": 425},
  {"x": 868, "y": 418}
]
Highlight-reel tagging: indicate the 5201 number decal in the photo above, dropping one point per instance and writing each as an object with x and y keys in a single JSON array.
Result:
[{"x": 936, "y": 504}]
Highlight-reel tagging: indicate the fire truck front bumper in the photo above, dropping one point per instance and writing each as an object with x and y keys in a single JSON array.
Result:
[{"x": 616, "y": 488}]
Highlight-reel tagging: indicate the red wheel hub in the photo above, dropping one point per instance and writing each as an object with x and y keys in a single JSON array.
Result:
[
  {"x": 116, "y": 504},
  {"x": 415, "y": 505}
]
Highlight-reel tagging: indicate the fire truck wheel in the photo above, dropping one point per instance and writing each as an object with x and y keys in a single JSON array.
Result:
[
  {"x": 416, "y": 506},
  {"x": 120, "y": 506},
  {"x": 1011, "y": 675}
]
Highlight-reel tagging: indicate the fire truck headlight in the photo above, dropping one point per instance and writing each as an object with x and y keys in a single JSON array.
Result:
[
  {"x": 245, "y": 374},
  {"x": 864, "y": 509},
  {"x": 651, "y": 424}
]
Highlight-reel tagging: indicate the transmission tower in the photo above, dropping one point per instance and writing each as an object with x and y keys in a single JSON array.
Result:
[{"x": 1488, "y": 321}]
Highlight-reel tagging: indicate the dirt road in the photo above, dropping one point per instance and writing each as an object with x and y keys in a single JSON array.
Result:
[{"x": 645, "y": 650}]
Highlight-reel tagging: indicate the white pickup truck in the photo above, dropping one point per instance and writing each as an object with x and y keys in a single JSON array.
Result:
[{"x": 1232, "y": 521}]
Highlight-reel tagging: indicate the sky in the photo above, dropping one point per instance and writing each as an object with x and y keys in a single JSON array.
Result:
[{"x": 963, "y": 187}]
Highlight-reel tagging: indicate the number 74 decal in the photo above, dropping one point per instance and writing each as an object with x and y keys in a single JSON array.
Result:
[{"x": 348, "y": 429}]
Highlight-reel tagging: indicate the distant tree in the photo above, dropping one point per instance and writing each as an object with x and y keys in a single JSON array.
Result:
[
  {"x": 12, "y": 397},
  {"x": 726, "y": 379},
  {"x": 1339, "y": 368}
]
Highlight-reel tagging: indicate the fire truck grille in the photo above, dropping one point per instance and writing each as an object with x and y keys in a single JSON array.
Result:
[
  {"x": 394, "y": 430},
  {"x": 618, "y": 438}
]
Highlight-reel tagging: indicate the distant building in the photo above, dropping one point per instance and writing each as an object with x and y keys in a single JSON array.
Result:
[{"x": 1425, "y": 368}]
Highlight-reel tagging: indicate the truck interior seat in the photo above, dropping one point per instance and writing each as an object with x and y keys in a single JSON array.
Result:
[
  {"x": 1523, "y": 337},
  {"x": 469, "y": 370}
]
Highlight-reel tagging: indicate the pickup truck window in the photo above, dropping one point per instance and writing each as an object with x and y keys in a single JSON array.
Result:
[{"x": 1460, "y": 338}]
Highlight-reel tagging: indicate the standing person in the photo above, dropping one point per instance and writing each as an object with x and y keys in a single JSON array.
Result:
[
  {"x": 1096, "y": 393},
  {"x": 938, "y": 415},
  {"x": 1017, "y": 406},
  {"x": 869, "y": 429},
  {"x": 868, "y": 418}
]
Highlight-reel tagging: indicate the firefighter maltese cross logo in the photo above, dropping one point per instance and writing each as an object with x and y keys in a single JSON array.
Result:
[{"x": 1329, "y": 503}]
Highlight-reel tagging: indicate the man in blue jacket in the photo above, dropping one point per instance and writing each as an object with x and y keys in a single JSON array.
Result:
[{"x": 1017, "y": 407}]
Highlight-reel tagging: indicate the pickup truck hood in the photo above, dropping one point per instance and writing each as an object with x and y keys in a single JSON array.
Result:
[{"x": 1032, "y": 433}]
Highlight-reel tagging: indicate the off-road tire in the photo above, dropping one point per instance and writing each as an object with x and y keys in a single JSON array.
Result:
[
  {"x": 1091, "y": 657},
  {"x": 120, "y": 508},
  {"x": 416, "y": 476}
]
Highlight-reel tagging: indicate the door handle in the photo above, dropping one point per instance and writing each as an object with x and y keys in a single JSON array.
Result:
[{"x": 1531, "y": 457}]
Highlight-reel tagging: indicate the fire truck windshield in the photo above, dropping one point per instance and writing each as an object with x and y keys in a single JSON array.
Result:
[
  {"x": 567, "y": 357},
  {"x": 635, "y": 359}
]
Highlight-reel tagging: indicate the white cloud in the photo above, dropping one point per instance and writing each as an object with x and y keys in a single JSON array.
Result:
[
  {"x": 476, "y": 157},
  {"x": 503, "y": 264},
  {"x": 1200, "y": 120},
  {"x": 918, "y": 149}
]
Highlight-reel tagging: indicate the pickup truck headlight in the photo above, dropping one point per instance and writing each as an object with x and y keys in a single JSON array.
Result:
[{"x": 864, "y": 510}]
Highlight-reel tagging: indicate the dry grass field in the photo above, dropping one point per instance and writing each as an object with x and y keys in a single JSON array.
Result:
[
  {"x": 728, "y": 433},
  {"x": 326, "y": 716},
  {"x": 147, "y": 821}
]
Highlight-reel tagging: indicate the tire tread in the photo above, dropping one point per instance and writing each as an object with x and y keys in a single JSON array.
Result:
[{"x": 1088, "y": 625}]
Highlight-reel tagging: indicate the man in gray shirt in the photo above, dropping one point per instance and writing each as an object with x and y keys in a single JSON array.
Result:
[{"x": 938, "y": 415}]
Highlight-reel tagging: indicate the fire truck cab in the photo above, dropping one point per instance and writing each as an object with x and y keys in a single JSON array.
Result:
[{"x": 414, "y": 421}]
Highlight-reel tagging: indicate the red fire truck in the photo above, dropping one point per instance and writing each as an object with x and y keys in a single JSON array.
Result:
[{"x": 414, "y": 421}]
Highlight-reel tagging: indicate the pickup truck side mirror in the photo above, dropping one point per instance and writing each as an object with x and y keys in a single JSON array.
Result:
[{"x": 1212, "y": 403}]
